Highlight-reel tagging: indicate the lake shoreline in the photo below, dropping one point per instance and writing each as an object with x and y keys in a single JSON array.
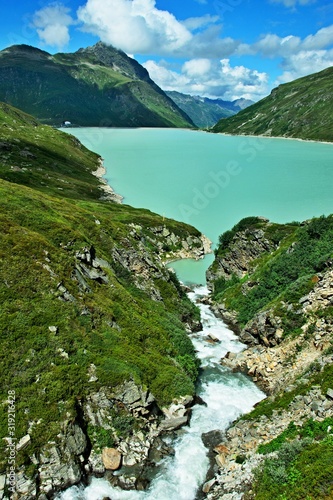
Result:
[
  {"x": 273, "y": 137},
  {"x": 108, "y": 192},
  {"x": 211, "y": 181}
]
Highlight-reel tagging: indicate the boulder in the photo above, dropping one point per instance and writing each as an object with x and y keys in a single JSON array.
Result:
[
  {"x": 25, "y": 487},
  {"x": 131, "y": 394},
  {"x": 212, "y": 339},
  {"x": 111, "y": 458},
  {"x": 60, "y": 464},
  {"x": 329, "y": 393},
  {"x": 187, "y": 401},
  {"x": 230, "y": 355},
  {"x": 23, "y": 443},
  {"x": 96, "y": 463},
  {"x": 92, "y": 373},
  {"x": 220, "y": 460},
  {"x": 207, "y": 486},
  {"x": 171, "y": 424},
  {"x": 221, "y": 449}
]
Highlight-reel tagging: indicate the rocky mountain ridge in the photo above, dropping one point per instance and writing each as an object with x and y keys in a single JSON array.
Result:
[
  {"x": 99, "y": 86},
  {"x": 206, "y": 112}
]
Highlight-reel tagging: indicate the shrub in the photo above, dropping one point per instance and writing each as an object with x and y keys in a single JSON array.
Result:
[
  {"x": 287, "y": 274},
  {"x": 221, "y": 284},
  {"x": 100, "y": 437},
  {"x": 226, "y": 238}
]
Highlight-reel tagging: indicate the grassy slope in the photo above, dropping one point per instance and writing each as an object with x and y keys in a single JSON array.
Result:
[
  {"x": 81, "y": 88},
  {"x": 49, "y": 208},
  {"x": 301, "y": 109},
  {"x": 284, "y": 275},
  {"x": 303, "y": 465}
]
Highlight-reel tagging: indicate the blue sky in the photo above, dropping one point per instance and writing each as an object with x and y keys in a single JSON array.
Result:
[{"x": 215, "y": 48}]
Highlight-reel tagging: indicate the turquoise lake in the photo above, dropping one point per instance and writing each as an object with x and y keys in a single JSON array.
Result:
[{"x": 212, "y": 181}]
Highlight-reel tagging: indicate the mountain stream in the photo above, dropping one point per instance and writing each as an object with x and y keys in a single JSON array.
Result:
[{"x": 227, "y": 395}]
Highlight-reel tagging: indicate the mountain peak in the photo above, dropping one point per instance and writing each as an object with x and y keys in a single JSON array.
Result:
[
  {"x": 96, "y": 86},
  {"x": 116, "y": 59},
  {"x": 26, "y": 50}
]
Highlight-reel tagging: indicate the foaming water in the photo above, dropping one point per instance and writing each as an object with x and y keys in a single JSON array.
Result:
[
  {"x": 209, "y": 352},
  {"x": 227, "y": 395}
]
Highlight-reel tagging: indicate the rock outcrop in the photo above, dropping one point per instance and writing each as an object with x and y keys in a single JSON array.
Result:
[
  {"x": 245, "y": 247},
  {"x": 237, "y": 455},
  {"x": 289, "y": 345},
  {"x": 272, "y": 360},
  {"x": 83, "y": 448}
]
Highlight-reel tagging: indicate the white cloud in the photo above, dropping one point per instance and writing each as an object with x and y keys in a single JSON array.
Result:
[
  {"x": 135, "y": 26},
  {"x": 304, "y": 63},
  {"x": 208, "y": 43},
  {"x": 210, "y": 79},
  {"x": 193, "y": 23},
  {"x": 139, "y": 27},
  {"x": 197, "y": 67},
  {"x": 274, "y": 46},
  {"x": 165, "y": 77},
  {"x": 323, "y": 38},
  {"x": 52, "y": 24}
]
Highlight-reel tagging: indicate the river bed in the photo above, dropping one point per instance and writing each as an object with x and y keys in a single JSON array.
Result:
[{"x": 227, "y": 395}]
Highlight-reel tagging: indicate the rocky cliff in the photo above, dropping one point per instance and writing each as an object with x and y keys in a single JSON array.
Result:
[
  {"x": 115, "y": 429},
  {"x": 273, "y": 284}
]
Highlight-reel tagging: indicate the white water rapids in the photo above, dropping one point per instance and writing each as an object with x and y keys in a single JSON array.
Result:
[{"x": 227, "y": 395}]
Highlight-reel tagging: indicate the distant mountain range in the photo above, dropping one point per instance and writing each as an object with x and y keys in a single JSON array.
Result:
[
  {"x": 101, "y": 86},
  {"x": 205, "y": 112},
  {"x": 96, "y": 86},
  {"x": 301, "y": 109}
]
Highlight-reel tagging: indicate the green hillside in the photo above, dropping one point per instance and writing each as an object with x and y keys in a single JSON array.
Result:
[
  {"x": 301, "y": 109},
  {"x": 83, "y": 287},
  {"x": 97, "y": 86},
  {"x": 273, "y": 284}
]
